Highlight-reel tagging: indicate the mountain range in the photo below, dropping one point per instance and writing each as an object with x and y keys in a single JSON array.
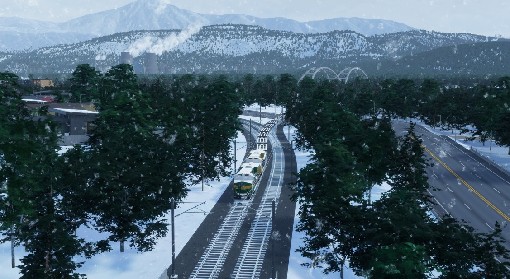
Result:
[
  {"x": 166, "y": 39},
  {"x": 22, "y": 34},
  {"x": 236, "y": 48}
]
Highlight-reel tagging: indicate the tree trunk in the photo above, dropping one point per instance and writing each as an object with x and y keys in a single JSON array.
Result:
[
  {"x": 122, "y": 246},
  {"x": 47, "y": 258},
  {"x": 342, "y": 263},
  {"x": 13, "y": 264}
]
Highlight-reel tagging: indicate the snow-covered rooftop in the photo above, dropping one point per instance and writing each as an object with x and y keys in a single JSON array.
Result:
[
  {"x": 74, "y": 110},
  {"x": 33, "y": 101}
]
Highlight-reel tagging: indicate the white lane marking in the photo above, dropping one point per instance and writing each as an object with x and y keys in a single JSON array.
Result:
[
  {"x": 439, "y": 203},
  {"x": 496, "y": 190},
  {"x": 467, "y": 206},
  {"x": 489, "y": 226},
  {"x": 449, "y": 189}
]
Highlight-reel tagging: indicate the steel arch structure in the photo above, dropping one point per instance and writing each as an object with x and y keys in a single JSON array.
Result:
[
  {"x": 346, "y": 73},
  {"x": 313, "y": 72},
  {"x": 331, "y": 74}
]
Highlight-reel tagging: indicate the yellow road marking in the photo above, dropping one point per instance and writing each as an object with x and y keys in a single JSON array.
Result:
[{"x": 484, "y": 199}]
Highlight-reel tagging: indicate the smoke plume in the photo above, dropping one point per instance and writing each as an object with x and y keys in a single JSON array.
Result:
[{"x": 159, "y": 45}]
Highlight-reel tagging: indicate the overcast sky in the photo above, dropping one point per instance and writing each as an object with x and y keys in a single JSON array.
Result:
[{"x": 486, "y": 17}]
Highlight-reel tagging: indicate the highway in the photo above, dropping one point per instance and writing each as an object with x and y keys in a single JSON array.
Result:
[{"x": 463, "y": 184}]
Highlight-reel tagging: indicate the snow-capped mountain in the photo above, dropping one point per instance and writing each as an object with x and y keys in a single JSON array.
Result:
[
  {"x": 158, "y": 15},
  {"x": 235, "y": 48},
  {"x": 21, "y": 25}
]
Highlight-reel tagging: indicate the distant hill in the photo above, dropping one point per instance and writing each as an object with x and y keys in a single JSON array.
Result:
[
  {"x": 485, "y": 59},
  {"x": 241, "y": 49},
  {"x": 22, "y": 34},
  {"x": 153, "y": 15}
]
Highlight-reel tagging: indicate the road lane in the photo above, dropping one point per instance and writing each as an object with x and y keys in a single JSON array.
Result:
[{"x": 467, "y": 186}]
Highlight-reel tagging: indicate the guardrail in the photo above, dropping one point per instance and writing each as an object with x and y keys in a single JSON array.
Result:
[{"x": 481, "y": 157}]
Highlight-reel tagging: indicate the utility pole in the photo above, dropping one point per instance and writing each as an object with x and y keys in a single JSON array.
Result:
[
  {"x": 172, "y": 205},
  {"x": 202, "y": 157},
  {"x": 273, "y": 214},
  {"x": 13, "y": 262},
  {"x": 260, "y": 114},
  {"x": 172, "y": 219}
]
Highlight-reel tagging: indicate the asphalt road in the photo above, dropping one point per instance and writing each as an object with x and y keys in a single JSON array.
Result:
[{"x": 465, "y": 185}]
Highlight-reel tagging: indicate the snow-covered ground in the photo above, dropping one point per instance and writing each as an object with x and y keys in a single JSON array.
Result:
[{"x": 133, "y": 265}]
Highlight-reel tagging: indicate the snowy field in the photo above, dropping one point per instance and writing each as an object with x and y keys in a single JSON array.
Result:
[{"x": 133, "y": 265}]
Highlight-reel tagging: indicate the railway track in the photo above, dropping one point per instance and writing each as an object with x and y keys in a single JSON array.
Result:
[
  {"x": 212, "y": 260},
  {"x": 249, "y": 263}
]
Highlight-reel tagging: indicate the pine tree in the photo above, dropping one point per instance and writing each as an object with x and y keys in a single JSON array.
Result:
[
  {"x": 32, "y": 212},
  {"x": 502, "y": 130},
  {"x": 206, "y": 112},
  {"x": 84, "y": 83},
  {"x": 493, "y": 256},
  {"x": 400, "y": 227},
  {"x": 125, "y": 151},
  {"x": 331, "y": 189}
]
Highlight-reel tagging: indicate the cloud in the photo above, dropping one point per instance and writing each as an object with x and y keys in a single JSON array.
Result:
[{"x": 161, "y": 45}]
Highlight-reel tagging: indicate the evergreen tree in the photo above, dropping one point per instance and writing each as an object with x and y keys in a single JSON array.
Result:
[
  {"x": 210, "y": 112},
  {"x": 326, "y": 190},
  {"x": 492, "y": 255},
  {"x": 394, "y": 237},
  {"x": 286, "y": 88},
  {"x": 84, "y": 83},
  {"x": 345, "y": 165},
  {"x": 126, "y": 185},
  {"x": 427, "y": 92},
  {"x": 447, "y": 236},
  {"x": 400, "y": 228},
  {"x": 32, "y": 211},
  {"x": 502, "y": 130},
  {"x": 248, "y": 85}
]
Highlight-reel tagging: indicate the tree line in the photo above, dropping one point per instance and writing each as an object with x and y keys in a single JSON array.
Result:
[
  {"x": 348, "y": 127},
  {"x": 150, "y": 141},
  {"x": 481, "y": 108},
  {"x": 152, "y": 138}
]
